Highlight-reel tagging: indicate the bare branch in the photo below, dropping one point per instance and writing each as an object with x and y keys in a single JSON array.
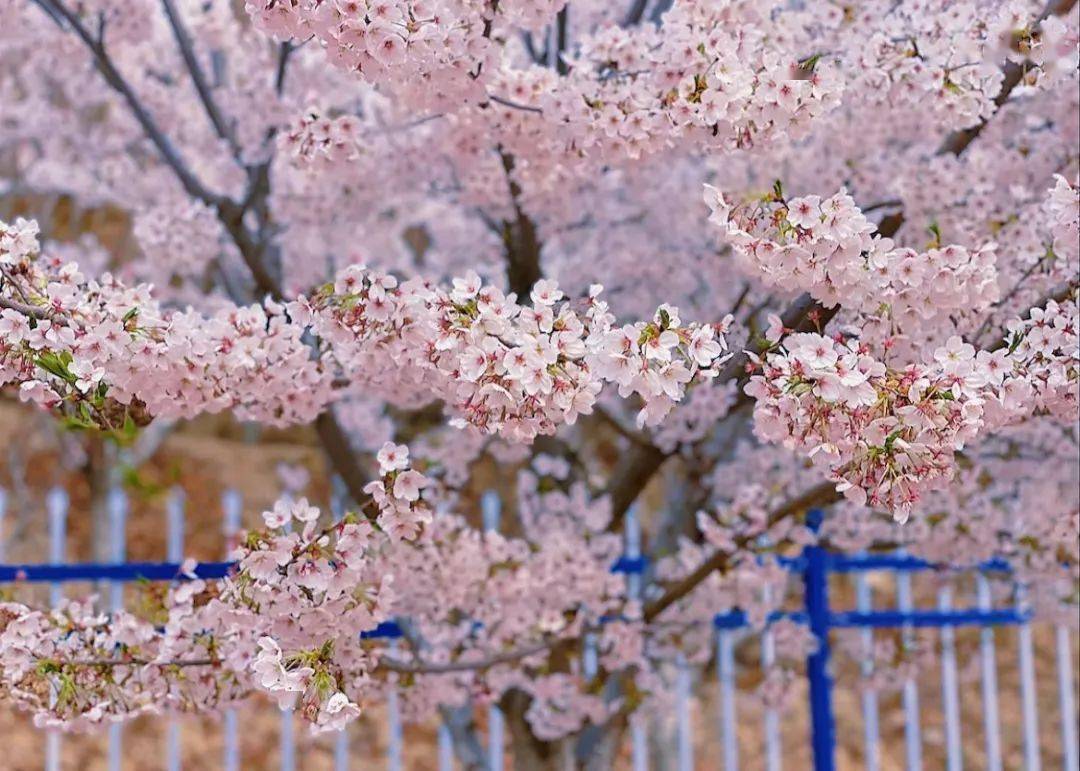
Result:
[
  {"x": 635, "y": 14},
  {"x": 467, "y": 666},
  {"x": 198, "y": 78},
  {"x": 820, "y": 495},
  {"x": 33, "y": 311},
  {"x": 118, "y": 83},
  {"x": 520, "y": 240}
]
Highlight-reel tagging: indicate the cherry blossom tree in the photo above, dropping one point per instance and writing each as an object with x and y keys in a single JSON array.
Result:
[{"x": 753, "y": 257}]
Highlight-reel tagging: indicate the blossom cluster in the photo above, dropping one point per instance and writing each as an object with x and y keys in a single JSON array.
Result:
[
  {"x": 295, "y": 619},
  {"x": 1039, "y": 370},
  {"x": 109, "y": 356},
  {"x": 314, "y": 141},
  {"x": 75, "y": 666},
  {"x": 422, "y": 49},
  {"x": 502, "y": 366},
  {"x": 888, "y": 435},
  {"x": 828, "y": 247}
]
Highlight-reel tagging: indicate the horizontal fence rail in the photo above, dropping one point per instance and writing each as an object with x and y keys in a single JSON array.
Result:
[{"x": 814, "y": 567}]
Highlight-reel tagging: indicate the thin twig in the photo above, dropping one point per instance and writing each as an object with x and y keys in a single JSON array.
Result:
[{"x": 198, "y": 78}]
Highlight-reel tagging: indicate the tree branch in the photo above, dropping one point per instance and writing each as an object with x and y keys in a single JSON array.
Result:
[
  {"x": 33, "y": 311},
  {"x": 198, "y": 78},
  {"x": 520, "y": 241},
  {"x": 467, "y": 666},
  {"x": 341, "y": 454},
  {"x": 635, "y": 14},
  {"x": 820, "y": 495},
  {"x": 118, "y": 83}
]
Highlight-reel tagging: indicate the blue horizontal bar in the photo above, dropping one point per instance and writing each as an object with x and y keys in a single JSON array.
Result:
[
  {"x": 927, "y": 618},
  {"x": 388, "y": 630},
  {"x": 736, "y": 619},
  {"x": 122, "y": 571},
  {"x": 626, "y": 564},
  {"x": 842, "y": 563}
]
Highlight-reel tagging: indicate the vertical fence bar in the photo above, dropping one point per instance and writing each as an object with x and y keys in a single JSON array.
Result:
[
  {"x": 56, "y": 501},
  {"x": 232, "y": 505},
  {"x": 174, "y": 549},
  {"x": 446, "y": 748},
  {"x": 338, "y": 505},
  {"x": 725, "y": 672},
  {"x": 288, "y": 741},
  {"x": 3, "y": 531},
  {"x": 590, "y": 664},
  {"x": 684, "y": 731},
  {"x": 988, "y": 666},
  {"x": 118, "y": 508},
  {"x": 816, "y": 581},
  {"x": 393, "y": 717},
  {"x": 491, "y": 511},
  {"x": 1028, "y": 704},
  {"x": 950, "y": 695},
  {"x": 639, "y": 746},
  {"x": 1070, "y": 753},
  {"x": 772, "y": 719},
  {"x": 287, "y": 738},
  {"x": 912, "y": 731},
  {"x": 864, "y": 601}
]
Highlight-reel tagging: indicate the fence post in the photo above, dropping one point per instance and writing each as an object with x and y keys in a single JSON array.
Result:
[
  {"x": 174, "y": 552},
  {"x": 491, "y": 511},
  {"x": 232, "y": 508},
  {"x": 639, "y": 745},
  {"x": 816, "y": 583},
  {"x": 339, "y": 502},
  {"x": 57, "y": 504},
  {"x": 117, "y": 503}
]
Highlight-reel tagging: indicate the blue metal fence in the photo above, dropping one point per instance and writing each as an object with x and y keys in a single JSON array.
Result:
[{"x": 814, "y": 566}]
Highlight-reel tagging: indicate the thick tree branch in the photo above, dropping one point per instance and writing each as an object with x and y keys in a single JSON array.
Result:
[
  {"x": 343, "y": 458},
  {"x": 520, "y": 240},
  {"x": 820, "y": 495},
  {"x": 633, "y": 472},
  {"x": 635, "y": 13},
  {"x": 33, "y": 311}
]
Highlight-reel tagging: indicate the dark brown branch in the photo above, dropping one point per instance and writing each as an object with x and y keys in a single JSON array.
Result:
[
  {"x": 958, "y": 141},
  {"x": 33, "y": 311},
  {"x": 284, "y": 52},
  {"x": 520, "y": 241},
  {"x": 119, "y": 84},
  {"x": 820, "y": 495},
  {"x": 467, "y": 666},
  {"x": 514, "y": 105},
  {"x": 198, "y": 78},
  {"x": 632, "y": 474},
  {"x": 341, "y": 454},
  {"x": 635, "y": 14}
]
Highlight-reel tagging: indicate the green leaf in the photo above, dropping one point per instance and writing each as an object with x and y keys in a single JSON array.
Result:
[{"x": 56, "y": 364}]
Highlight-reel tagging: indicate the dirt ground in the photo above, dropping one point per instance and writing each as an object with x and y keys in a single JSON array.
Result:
[{"x": 212, "y": 455}]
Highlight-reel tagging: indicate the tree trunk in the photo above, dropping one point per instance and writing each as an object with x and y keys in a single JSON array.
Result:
[{"x": 593, "y": 749}]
